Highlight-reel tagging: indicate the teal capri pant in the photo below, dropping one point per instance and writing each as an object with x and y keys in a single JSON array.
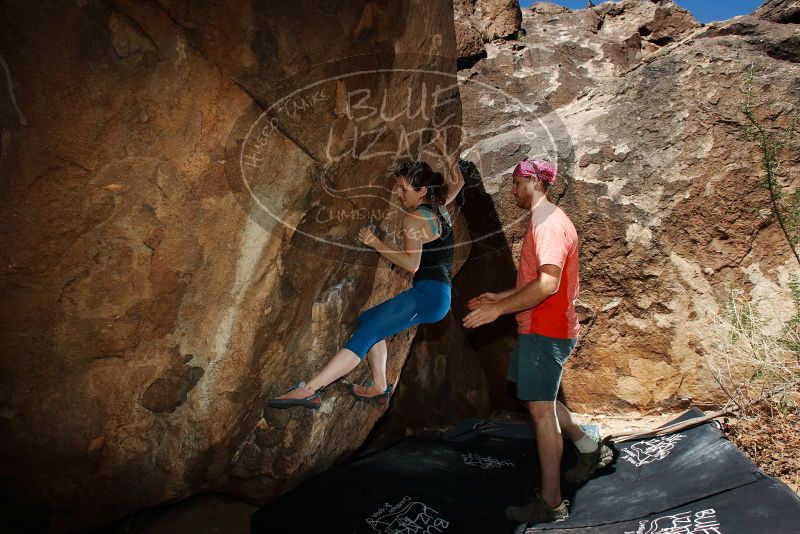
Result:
[
  {"x": 428, "y": 301},
  {"x": 536, "y": 364}
]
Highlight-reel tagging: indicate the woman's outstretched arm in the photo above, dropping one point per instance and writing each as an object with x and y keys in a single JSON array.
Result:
[
  {"x": 454, "y": 180},
  {"x": 414, "y": 235}
]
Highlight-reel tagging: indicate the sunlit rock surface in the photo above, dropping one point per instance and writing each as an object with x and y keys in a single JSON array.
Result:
[
  {"x": 639, "y": 103},
  {"x": 481, "y": 21}
]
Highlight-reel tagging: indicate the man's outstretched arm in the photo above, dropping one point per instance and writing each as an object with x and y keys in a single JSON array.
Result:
[
  {"x": 488, "y": 298},
  {"x": 533, "y": 294}
]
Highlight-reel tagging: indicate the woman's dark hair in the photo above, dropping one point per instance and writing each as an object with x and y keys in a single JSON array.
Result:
[{"x": 419, "y": 174}]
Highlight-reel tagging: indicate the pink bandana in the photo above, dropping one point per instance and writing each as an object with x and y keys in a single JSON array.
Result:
[{"x": 537, "y": 168}]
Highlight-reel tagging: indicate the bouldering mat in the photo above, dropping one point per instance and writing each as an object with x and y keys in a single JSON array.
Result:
[
  {"x": 764, "y": 506},
  {"x": 433, "y": 486},
  {"x": 693, "y": 481}
]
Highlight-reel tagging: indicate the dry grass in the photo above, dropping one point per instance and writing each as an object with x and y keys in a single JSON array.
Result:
[
  {"x": 759, "y": 369},
  {"x": 749, "y": 361}
]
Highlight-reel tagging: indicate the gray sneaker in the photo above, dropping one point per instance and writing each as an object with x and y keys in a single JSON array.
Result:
[
  {"x": 538, "y": 511},
  {"x": 588, "y": 463}
]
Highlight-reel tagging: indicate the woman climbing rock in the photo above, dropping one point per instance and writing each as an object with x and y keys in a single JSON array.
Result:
[{"x": 427, "y": 253}]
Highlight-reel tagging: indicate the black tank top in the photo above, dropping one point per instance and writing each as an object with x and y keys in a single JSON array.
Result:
[{"x": 437, "y": 256}]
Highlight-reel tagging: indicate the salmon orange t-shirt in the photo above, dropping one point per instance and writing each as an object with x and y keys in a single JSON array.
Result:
[{"x": 550, "y": 239}]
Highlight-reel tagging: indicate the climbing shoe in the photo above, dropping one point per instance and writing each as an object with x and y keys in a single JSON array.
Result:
[
  {"x": 298, "y": 395},
  {"x": 360, "y": 392},
  {"x": 538, "y": 511},
  {"x": 588, "y": 463}
]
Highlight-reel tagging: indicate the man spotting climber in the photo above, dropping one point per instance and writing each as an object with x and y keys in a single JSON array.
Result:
[{"x": 544, "y": 303}]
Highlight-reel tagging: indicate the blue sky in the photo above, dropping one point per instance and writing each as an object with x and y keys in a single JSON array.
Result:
[{"x": 703, "y": 10}]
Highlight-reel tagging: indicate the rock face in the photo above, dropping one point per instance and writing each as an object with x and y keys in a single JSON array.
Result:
[
  {"x": 181, "y": 187},
  {"x": 783, "y": 11},
  {"x": 547, "y": 8},
  {"x": 481, "y": 21},
  {"x": 639, "y": 105}
]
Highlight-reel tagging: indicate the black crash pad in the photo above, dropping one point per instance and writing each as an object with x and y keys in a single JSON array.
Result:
[
  {"x": 653, "y": 475},
  {"x": 435, "y": 485},
  {"x": 765, "y": 506},
  {"x": 461, "y": 485}
]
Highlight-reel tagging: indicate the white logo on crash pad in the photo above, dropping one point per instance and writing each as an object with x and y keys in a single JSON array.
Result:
[
  {"x": 651, "y": 450},
  {"x": 407, "y": 517},
  {"x": 485, "y": 462},
  {"x": 702, "y": 522}
]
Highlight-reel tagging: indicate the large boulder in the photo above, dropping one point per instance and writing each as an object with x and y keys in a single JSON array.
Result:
[
  {"x": 480, "y": 21},
  {"x": 640, "y": 106},
  {"x": 182, "y": 184}
]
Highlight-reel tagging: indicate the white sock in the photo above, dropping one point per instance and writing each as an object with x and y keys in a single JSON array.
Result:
[{"x": 586, "y": 444}]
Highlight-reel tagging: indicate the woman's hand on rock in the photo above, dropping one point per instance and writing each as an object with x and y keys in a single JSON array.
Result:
[{"x": 368, "y": 237}]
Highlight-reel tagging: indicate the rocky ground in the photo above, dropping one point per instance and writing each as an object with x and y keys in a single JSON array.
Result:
[
  {"x": 771, "y": 439},
  {"x": 625, "y": 423}
]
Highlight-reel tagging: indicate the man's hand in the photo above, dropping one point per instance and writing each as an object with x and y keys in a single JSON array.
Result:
[
  {"x": 482, "y": 314},
  {"x": 485, "y": 298}
]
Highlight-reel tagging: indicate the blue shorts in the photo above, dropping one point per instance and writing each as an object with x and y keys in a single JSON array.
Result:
[
  {"x": 536, "y": 364},
  {"x": 428, "y": 301}
]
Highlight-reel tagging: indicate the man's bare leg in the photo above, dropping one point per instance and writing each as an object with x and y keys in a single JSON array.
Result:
[
  {"x": 551, "y": 446},
  {"x": 592, "y": 455},
  {"x": 568, "y": 426}
]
